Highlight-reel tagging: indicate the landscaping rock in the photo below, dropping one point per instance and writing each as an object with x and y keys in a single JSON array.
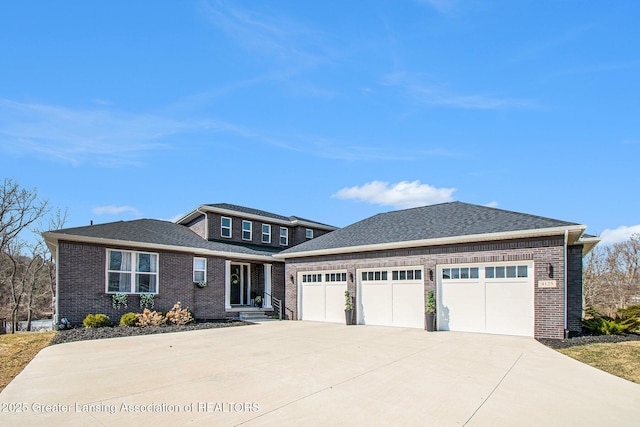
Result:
[
  {"x": 588, "y": 339},
  {"x": 82, "y": 333}
]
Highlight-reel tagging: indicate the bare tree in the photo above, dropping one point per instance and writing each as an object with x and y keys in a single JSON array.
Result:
[
  {"x": 19, "y": 209},
  {"x": 612, "y": 276},
  {"x": 55, "y": 222},
  {"x": 36, "y": 287}
]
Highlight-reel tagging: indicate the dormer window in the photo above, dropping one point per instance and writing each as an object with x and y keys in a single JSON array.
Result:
[
  {"x": 266, "y": 233},
  {"x": 246, "y": 230},
  {"x": 309, "y": 233},
  {"x": 284, "y": 236},
  {"x": 225, "y": 227}
]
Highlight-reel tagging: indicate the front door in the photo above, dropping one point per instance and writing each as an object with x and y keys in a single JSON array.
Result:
[{"x": 240, "y": 286}]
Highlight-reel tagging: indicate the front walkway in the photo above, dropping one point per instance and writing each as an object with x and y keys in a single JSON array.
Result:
[{"x": 303, "y": 373}]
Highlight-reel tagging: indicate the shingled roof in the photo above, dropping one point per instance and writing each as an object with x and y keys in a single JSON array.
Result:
[
  {"x": 441, "y": 221},
  {"x": 151, "y": 232},
  {"x": 250, "y": 211},
  {"x": 246, "y": 212}
]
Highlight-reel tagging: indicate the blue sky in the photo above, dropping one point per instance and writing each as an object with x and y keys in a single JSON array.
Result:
[{"x": 333, "y": 111}]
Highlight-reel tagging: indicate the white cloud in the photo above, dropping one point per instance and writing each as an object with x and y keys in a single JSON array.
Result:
[
  {"x": 401, "y": 195},
  {"x": 620, "y": 234},
  {"x": 493, "y": 204},
  {"x": 115, "y": 210}
]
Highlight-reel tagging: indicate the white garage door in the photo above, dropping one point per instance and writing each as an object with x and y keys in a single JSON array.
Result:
[
  {"x": 393, "y": 297},
  {"x": 491, "y": 298},
  {"x": 322, "y": 296}
]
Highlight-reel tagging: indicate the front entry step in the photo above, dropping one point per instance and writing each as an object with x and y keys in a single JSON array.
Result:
[{"x": 254, "y": 316}]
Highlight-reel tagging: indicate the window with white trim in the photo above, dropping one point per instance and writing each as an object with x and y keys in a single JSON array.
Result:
[
  {"x": 199, "y": 270},
  {"x": 132, "y": 272},
  {"x": 246, "y": 230},
  {"x": 284, "y": 236},
  {"x": 266, "y": 233},
  {"x": 309, "y": 233},
  {"x": 225, "y": 227}
]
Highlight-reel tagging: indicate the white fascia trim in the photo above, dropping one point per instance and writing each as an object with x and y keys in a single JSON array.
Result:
[
  {"x": 54, "y": 238},
  {"x": 589, "y": 243},
  {"x": 204, "y": 208},
  {"x": 303, "y": 223},
  {"x": 507, "y": 235}
]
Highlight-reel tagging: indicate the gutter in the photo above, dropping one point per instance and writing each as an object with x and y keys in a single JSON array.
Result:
[
  {"x": 519, "y": 234},
  {"x": 52, "y": 240}
]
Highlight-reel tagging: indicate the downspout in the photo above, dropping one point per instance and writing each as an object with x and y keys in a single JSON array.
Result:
[
  {"x": 56, "y": 316},
  {"x": 206, "y": 223},
  {"x": 566, "y": 283}
]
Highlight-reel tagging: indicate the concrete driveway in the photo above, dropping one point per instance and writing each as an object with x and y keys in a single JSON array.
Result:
[{"x": 301, "y": 373}]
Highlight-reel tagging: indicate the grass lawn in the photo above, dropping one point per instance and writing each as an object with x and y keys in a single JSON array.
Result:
[
  {"x": 17, "y": 350},
  {"x": 620, "y": 359}
]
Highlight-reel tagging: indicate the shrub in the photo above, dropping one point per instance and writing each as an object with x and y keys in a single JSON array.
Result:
[
  {"x": 431, "y": 303},
  {"x": 150, "y": 318},
  {"x": 629, "y": 312},
  {"x": 179, "y": 316},
  {"x": 623, "y": 323},
  {"x": 96, "y": 321},
  {"x": 129, "y": 319}
]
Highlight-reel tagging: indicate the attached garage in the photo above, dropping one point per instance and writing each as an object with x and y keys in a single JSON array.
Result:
[
  {"x": 489, "y": 298},
  {"x": 391, "y": 297},
  {"x": 479, "y": 261},
  {"x": 322, "y": 296}
]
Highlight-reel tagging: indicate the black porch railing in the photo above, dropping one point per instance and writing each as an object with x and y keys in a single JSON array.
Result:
[{"x": 276, "y": 304}]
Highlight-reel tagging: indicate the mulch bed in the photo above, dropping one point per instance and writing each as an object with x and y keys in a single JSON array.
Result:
[
  {"x": 588, "y": 339},
  {"x": 82, "y": 334}
]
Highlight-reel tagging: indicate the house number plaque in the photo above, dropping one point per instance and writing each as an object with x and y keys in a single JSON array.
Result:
[{"x": 547, "y": 284}]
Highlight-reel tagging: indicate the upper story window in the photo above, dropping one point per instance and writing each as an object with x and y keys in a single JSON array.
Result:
[
  {"x": 284, "y": 236},
  {"x": 132, "y": 272},
  {"x": 225, "y": 226},
  {"x": 309, "y": 233},
  {"x": 246, "y": 230},
  {"x": 199, "y": 270},
  {"x": 266, "y": 233}
]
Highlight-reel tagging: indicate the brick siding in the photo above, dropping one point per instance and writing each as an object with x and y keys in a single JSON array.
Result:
[
  {"x": 82, "y": 287},
  {"x": 297, "y": 234},
  {"x": 549, "y": 302}
]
